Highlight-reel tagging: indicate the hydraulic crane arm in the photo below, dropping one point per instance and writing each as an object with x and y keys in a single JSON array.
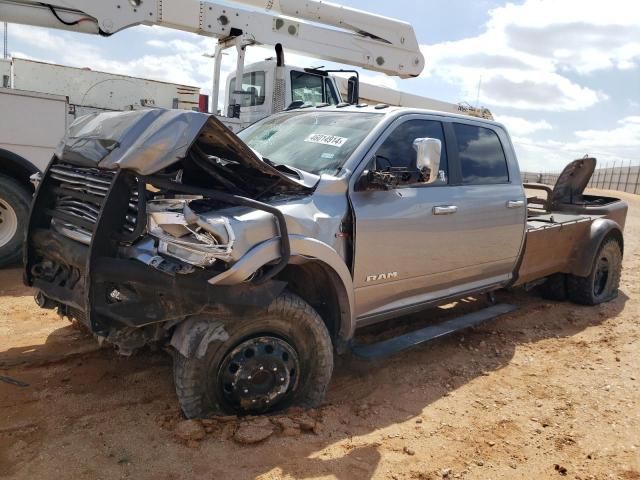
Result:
[{"x": 310, "y": 27}]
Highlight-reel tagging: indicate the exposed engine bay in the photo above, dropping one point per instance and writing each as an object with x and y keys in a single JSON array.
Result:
[{"x": 131, "y": 194}]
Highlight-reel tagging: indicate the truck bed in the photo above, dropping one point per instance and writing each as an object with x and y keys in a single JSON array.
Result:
[{"x": 555, "y": 238}]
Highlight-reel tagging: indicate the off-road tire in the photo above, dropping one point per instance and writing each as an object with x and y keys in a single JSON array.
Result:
[
  {"x": 582, "y": 290},
  {"x": 554, "y": 287},
  {"x": 288, "y": 317},
  {"x": 19, "y": 199}
]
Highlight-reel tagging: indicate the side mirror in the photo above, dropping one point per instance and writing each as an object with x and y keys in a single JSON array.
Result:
[
  {"x": 428, "y": 157},
  {"x": 353, "y": 91}
]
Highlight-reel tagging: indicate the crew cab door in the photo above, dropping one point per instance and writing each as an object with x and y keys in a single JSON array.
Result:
[{"x": 419, "y": 243}]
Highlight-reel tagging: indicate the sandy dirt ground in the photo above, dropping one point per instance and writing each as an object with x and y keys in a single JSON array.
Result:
[{"x": 551, "y": 390}]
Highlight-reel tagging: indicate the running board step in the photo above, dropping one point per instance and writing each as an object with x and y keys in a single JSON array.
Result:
[{"x": 411, "y": 339}]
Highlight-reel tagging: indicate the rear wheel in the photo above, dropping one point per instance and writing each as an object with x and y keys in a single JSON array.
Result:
[
  {"x": 603, "y": 280},
  {"x": 270, "y": 360},
  {"x": 14, "y": 212}
]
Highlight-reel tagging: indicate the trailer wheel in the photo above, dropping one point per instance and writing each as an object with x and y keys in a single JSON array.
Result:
[
  {"x": 554, "y": 287},
  {"x": 14, "y": 212},
  {"x": 270, "y": 360},
  {"x": 601, "y": 285}
]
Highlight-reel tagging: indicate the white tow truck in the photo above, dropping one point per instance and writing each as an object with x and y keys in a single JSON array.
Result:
[{"x": 316, "y": 86}]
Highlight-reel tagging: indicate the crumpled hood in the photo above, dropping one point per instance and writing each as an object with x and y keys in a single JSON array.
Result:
[
  {"x": 573, "y": 180},
  {"x": 146, "y": 141}
]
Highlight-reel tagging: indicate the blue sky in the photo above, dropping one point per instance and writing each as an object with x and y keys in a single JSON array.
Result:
[{"x": 564, "y": 76}]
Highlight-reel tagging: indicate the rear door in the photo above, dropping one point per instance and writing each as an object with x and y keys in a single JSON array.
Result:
[{"x": 490, "y": 200}]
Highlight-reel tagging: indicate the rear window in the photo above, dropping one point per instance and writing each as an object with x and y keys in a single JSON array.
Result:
[{"x": 482, "y": 158}]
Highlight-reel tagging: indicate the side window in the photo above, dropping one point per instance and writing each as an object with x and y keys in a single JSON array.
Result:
[
  {"x": 253, "y": 86},
  {"x": 306, "y": 87},
  {"x": 482, "y": 158},
  {"x": 332, "y": 97},
  {"x": 397, "y": 149}
]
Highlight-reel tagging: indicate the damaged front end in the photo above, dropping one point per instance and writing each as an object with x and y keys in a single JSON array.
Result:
[{"x": 129, "y": 223}]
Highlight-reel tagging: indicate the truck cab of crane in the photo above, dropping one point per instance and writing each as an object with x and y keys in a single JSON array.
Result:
[{"x": 257, "y": 99}]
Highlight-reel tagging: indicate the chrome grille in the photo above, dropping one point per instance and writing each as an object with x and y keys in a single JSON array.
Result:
[{"x": 80, "y": 193}]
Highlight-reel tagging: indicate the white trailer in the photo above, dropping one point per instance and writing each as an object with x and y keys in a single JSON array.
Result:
[
  {"x": 100, "y": 90},
  {"x": 31, "y": 125}
]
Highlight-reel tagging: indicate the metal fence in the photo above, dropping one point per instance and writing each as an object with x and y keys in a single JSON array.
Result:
[{"x": 623, "y": 177}]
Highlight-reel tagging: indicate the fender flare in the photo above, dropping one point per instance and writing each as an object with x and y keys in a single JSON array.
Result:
[
  {"x": 601, "y": 228},
  {"x": 302, "y": 248}
]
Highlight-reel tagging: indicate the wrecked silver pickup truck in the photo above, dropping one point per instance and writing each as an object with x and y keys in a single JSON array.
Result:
[{"x": 255, "y": 257}]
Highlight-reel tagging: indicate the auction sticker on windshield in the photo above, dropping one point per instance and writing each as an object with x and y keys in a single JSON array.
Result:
[{"x": 326, "y": 139}]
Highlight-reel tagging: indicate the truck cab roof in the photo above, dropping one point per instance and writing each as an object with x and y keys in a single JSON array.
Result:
[{"x": 394, "y": 111}]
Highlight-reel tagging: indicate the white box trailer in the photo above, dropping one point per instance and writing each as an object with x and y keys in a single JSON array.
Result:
[
  {"x": 35, "y": 132},
  {"x": 31, "y": 125},
  {"x": 100, "y": 90}
]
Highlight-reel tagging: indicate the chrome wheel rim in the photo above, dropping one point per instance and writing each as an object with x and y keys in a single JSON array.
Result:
[{"x": 8, "y": 222}]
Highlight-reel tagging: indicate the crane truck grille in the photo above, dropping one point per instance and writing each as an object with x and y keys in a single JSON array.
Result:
[{"x": 79, "y": 196}]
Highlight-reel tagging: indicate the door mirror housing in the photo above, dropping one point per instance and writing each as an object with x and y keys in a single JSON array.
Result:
[
  {"x": 353, "y": 91},
  {"x": 428, "y": 152}
]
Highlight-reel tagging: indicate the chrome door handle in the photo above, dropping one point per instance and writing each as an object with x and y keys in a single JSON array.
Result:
[
  {"x": 515, "y": 203},
  {"x": 445, "y": 210}
]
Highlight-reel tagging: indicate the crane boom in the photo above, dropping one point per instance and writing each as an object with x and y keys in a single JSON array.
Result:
[{"x": 310, "y": 27}]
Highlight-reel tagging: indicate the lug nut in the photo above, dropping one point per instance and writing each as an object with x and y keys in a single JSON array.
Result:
[
  {"x": 261, "y": 367},
  {"x": 275, "y": 369},
  {"x": 249, "y": 377},
  {"x": 282, "y": 379}
]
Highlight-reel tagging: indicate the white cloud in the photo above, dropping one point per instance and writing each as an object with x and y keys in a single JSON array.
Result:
[
  {"x": 521, "y": 126},
  {"x": 526, "y": 51},
  {"x": 625, "y": 135},
  {"x": 619, "y": 144},
  {"x": 576, "y": 34}
]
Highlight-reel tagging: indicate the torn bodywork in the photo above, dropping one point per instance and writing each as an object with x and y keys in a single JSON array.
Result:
[{"x": 139, "y": 211}]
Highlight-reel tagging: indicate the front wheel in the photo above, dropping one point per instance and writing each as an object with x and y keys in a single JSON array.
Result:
[
  {"x": 271, "y": 360},
  {"x": 601, "y": 285}
]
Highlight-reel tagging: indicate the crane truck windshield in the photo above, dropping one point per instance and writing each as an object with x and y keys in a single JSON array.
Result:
[{"x": 316, "y": 142}]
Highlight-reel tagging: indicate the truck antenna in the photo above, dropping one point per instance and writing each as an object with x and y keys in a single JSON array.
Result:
[{"x": 478, "y": 94}]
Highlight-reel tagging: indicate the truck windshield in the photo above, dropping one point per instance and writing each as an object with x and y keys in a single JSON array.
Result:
[{"x": 316, "y": 142}]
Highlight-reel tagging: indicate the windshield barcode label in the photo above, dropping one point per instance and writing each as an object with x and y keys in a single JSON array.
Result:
[{"x": 326, "y": 139}]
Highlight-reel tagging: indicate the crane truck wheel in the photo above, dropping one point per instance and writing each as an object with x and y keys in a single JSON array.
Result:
[
  {"x": 14, "y": 212},
  {"x": 270, "y": 360},
  {"x": 601, "y": 285}
]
